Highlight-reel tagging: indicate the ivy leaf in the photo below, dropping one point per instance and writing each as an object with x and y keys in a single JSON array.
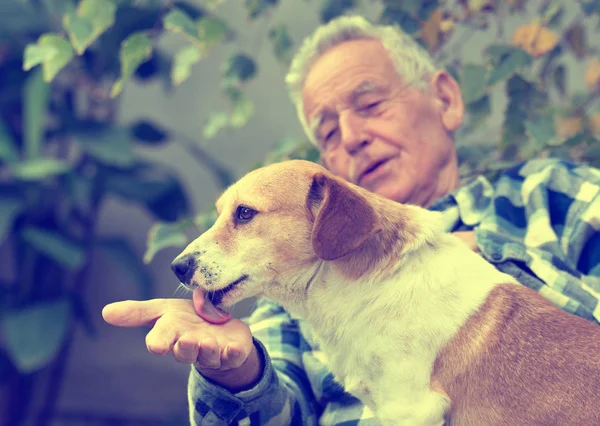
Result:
[
  {"x": 396, "y": 15},
  {"x": 52, "y": 51},
  {"x": 36, "y": 96},
  {"x": 8, "y": 150},
  {"x": 473, "y": 82},
  {"x": 239, "y": 67},
  {"x": 34, "y": 335},
  {"x": 211, "y": 31},
  {"x": 242, "y": 107},
  {"x": 39, "y": 169},
  {"x": 215, "y": 123},
  {"x": 541, "y": 130},
  {"x": 256, "y": 8},
  {"x": 10, "y": 207},
  {"x": 182, "y": 65},
  {"x": 575, "y": 38},
  {"x": 282, "y": 43},
  {"x": 135, "y": 49},
  {"x": 560, "y": 79},
  {"x": 55, "y": 245},
  {"x": 110, "y": 146},
  {"x": 179, "y": 22},
  {"x": 148, "y": 132},
  {"x": 80, "y": 30},
  {"x": 121, "y": 251},
  {"x": 508, "y": 64},
  {"x": 331, "y": 9},
  {"x": 479, "y": 110},
  {"x": 163, "y": 235}
]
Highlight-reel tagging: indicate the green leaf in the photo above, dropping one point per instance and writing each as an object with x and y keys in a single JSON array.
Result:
[
  {"x": 211, "y": 31},
  {"x": 179, "y": 22},
  {"x": 34, "y": 335},
  {"x": 479, "y": 110},
  {"x": 242, "y": 108},
  {"x": 59, "y": 8},
  {"x": 135, "y": 50},
  {"x": 397, "y": 15},
  {"x": 239, "y": 67},
  {"x": 122, "y": 252},
  {"x": 590, "y": 7},
  {"x": 55, "y": 245},
  {"x": 8, "y": 150},
  {"x": 36, "y": 97},
  {"x": 552, "y": 14},
  {"x": 39, "y": 169},
  {"x": 52, "y": 51},
  {"x": 541, "y": 130},
  {"x": 148, "y": 132},
  {"x": 560, "y": 79},
  {"x": 215, "y": 123},
  {"x": 282, "y": 43},
  {"x": 576, "y": 40},
  {"x": 9, "y": 209},
  {"x": 111, "y": 146},
  {"x": 154, "y": 185},
  {"x": 508, "y": 64},
  {"x": 256, "y": 8},
  {"x": 80, "y": 30},
  {"x": 182, "y": 65},
  {"x": 472, "y": 82},
  {"x": 93, "y": 18},
  {"x": 163, "y": 235},
  {"x": 331, "y": 9}
]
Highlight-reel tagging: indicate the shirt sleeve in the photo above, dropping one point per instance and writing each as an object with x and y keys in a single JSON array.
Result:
[{"x": 282, "y": 396}]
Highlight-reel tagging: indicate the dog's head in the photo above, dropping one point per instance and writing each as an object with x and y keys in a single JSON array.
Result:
[{"x": 274, "y": 226}]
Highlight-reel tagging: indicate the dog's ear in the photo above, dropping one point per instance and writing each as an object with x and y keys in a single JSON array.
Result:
[{"x": 344, "y": 219}]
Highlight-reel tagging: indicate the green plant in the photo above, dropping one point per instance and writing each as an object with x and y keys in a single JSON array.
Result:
[{"x": 63, "y": 64}]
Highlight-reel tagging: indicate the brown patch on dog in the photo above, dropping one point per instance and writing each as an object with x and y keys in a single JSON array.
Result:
[{"x": 520, "y": 341}]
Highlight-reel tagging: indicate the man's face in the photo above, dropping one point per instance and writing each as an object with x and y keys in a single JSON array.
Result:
[{"x": 378, "y": 133}]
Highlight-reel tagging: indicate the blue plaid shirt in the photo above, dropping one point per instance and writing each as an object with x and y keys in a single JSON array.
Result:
[{"x": 539, "y": 223}]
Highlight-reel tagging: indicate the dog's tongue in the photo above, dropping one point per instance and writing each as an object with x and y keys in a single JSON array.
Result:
[{"x": 206, "y": 310}]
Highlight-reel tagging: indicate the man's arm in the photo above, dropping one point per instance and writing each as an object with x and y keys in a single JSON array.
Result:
[{"x": 281, "y": 396}]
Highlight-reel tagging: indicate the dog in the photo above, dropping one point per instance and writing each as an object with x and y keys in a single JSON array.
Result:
[{"x": 414, "y": 323}]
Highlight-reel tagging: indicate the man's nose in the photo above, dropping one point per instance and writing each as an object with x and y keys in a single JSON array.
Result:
[
  {"x": 352, "y": 134},
  {"x": 183, "y": 268}
]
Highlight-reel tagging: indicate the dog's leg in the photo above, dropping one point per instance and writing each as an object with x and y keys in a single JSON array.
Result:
[
  {"x": 426, "y": 408},
  {"x": 403, "y": 397}
]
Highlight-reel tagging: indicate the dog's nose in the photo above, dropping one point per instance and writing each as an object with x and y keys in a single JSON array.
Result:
[{"x": 182, "y": 267}]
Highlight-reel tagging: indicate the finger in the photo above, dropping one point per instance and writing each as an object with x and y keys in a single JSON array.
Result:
[
  {"x": 209, "y": 355},
  {"x": 161, "y": 338},
  {"x": 186, "y": 350},
  {"x": 134, "y": 313},
  {"x": 233, "y": 356}
]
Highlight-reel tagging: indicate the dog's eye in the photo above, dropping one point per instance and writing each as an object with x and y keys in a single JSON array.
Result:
[{"x": 245, "y": 214}]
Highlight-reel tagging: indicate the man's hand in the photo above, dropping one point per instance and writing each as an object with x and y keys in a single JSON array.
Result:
[{"x": 223, "y": 353}]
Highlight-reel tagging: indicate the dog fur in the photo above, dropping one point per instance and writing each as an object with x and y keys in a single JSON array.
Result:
[{"x": 415, "y": 324}]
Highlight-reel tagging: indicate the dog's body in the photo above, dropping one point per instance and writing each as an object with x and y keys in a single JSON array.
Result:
[{"x": 412, "y": 322}]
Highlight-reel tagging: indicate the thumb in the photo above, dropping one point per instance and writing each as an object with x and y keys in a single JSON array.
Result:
[{"x": 134, "y": 313}]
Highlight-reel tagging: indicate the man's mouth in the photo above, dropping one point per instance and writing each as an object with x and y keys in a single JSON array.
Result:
[
  {"x": 216, "y": 296},
  {"x": 371, "y": 169}
]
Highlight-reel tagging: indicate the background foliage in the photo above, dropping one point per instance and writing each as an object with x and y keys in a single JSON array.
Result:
[{"x": 63, "y": 64}]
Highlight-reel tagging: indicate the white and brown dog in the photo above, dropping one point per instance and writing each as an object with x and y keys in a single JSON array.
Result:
[{"x": 420, "y": 328}]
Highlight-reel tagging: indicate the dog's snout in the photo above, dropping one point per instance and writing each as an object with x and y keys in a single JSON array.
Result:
[{"x": 183, "y": 268}]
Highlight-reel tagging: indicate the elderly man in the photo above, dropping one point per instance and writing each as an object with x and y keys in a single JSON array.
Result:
[{"x": 383, "y": 117}]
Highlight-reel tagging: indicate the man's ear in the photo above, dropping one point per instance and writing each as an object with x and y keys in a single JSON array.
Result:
[
  {"x": 447, "y": 90},
  {"x": 344, "y": 220}
]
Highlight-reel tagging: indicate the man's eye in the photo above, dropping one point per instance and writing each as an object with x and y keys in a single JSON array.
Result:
[
  {"x": 244, "y": 214},
  {"x": 370, "y": 106},
  {"x": 330, "y": 134}
]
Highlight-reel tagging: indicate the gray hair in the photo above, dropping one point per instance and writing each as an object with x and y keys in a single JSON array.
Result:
[{"x": 413, "y": 63}]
